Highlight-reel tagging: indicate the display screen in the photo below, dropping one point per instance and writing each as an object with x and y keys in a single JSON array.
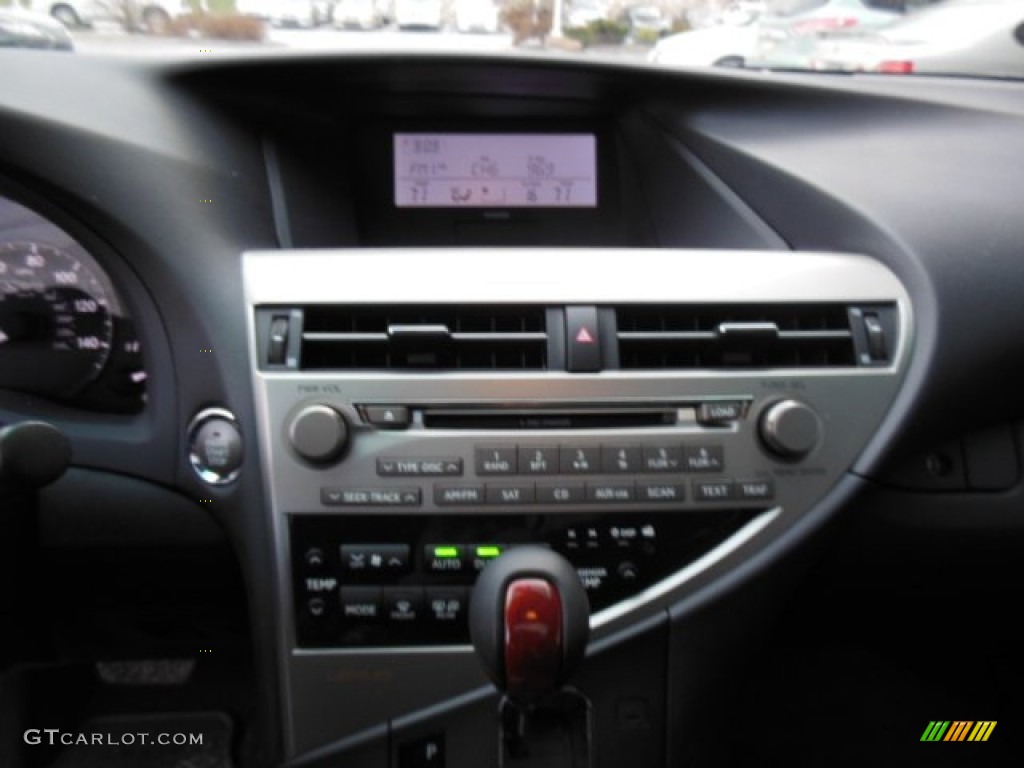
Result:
[{"x": 489, "y": 170}]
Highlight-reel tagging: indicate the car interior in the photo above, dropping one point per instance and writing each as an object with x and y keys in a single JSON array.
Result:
[{"x": 434, "y": 410}]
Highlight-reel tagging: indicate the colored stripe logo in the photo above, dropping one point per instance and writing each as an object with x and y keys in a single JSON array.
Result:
[{"x": 958, "y": 730}]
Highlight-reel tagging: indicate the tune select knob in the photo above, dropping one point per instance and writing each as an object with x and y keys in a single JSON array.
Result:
[
  {"x": 790, "y": 429},
  {"x": 318, "y": 433}
]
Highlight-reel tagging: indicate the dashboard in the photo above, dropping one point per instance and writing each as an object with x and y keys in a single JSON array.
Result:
[{"x": 329, "y": 335}]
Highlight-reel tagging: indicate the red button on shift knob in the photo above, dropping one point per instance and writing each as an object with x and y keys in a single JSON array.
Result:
[{"x": 533, "y": 638}]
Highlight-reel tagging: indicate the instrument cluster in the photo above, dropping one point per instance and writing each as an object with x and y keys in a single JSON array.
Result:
[{"x": 65, "y": 334}]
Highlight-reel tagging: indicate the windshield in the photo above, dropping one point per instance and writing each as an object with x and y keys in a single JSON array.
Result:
[{"x": 761, "y": 34}]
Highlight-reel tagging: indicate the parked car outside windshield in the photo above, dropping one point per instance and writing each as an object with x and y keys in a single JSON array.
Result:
[{"x": 968, "y": 38}]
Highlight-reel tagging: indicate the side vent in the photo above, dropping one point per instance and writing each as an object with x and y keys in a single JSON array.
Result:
[
  {"x": 424, "y": 338},
  {"x": 742, "y": 336}
]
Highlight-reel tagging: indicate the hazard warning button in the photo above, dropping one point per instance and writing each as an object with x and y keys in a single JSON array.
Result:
[{"x": 583, "y": 339}]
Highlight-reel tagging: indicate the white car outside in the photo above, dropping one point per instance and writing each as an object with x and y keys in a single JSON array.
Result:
[
  {"x": 152, "y": 15},
  {"x": 723, "y": 45},
  {"x": 974, "y": 38}
]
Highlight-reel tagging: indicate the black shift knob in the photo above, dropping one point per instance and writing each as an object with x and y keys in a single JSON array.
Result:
[{"x": 529, "y": 619}]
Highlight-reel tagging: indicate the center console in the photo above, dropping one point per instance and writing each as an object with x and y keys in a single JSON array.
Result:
[{"x": 656, "y": 418}]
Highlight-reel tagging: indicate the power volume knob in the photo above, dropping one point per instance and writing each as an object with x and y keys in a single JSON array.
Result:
[
  {"x": 790, "y": 429},
  {"x": 319, "y": 434}
]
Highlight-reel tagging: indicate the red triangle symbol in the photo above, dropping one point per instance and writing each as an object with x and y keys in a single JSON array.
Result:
[{"x": 584, "y": 337}]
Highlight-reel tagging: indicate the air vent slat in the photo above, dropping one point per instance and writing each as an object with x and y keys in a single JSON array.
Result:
[
  {"x": 667, "y": 337},
  {"x": 425, "y": 338}
]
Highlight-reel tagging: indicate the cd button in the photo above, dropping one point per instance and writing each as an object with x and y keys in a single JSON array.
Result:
[{"x": 561, "y": 493}]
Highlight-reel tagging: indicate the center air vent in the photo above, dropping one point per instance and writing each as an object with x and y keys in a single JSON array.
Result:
[
  {"x": 741, "y": 336},
  {"x": 425, "y": 337}
]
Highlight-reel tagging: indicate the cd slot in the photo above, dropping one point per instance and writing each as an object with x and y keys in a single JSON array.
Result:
[{"x": 549, "y": 419}]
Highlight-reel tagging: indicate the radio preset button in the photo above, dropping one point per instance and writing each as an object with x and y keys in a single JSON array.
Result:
[
  {"x": 561, "y": 493},
  {"x": 579, "y": 460},
  {"x": 618, "y": 459},
  {"x": 722, "y": 490},
  {"x": 665, "y": 458},
  {"x": 496, "y": 460},
  {"x": 522, "y": 493},
  {"x": 538, "y": 460},
  {"x": 703, "y": 458}
]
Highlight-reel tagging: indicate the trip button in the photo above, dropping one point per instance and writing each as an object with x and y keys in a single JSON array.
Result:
[
  {"x": 579, "y": 460},
  {"x": 616, "y": 458},
  {"x": 704, "y": 458},
  {"x": 496, "y": 460},
  {"x": 723, "y": 490},
  {"x": 662, "y": 459}
]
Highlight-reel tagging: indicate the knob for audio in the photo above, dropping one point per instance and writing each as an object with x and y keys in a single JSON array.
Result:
[
  {"x": 790, "y": 429},
  {"x": 319, "y": 434}
]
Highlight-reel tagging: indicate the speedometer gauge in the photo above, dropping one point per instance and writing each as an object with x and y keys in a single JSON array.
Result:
[{"x": 56, "y": 328}]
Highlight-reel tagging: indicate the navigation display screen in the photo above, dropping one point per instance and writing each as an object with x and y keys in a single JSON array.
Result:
[{"x": 488, "y": 170}]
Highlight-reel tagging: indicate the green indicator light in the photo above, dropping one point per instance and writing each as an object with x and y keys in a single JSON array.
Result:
[
  {"x": 488, "y": 551},
  {"x": 446, "y": 552}
]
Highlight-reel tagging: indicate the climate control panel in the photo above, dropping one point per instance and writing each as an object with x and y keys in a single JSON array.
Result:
[{"x": 358, "y": 583}]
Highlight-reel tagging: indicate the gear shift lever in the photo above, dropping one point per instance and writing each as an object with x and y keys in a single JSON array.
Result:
[{"x": 529, "y": 619}]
